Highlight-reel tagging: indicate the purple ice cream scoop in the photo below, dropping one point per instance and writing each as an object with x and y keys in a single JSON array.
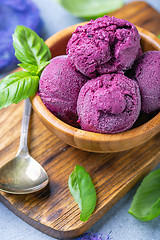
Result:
[
  {"x": 110, "y": 103},
  {"x": 147, "y": 73},
  {"x": 104, "y": 45},
  {"x": 59, "y": 87}
]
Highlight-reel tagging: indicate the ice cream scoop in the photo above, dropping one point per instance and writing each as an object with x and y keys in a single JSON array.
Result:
[
  {"x": 147, "y": 73},
  {"x": 110, "y": 103},
  {"x": 104, "y": 45},
  {"x": 59, "y": 86}
]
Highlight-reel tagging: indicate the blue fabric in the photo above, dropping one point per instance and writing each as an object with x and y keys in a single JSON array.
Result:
[
  {"x": 13, "y": 13},
  {"x": 117, "y": 221}
]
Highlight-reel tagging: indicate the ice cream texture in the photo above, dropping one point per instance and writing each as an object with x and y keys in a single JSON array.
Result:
[
  {"x": 110, "y": 103},
  {"x": 59, "y": 87},
  {"x": 104, "y": 45},
  {"x": 103, "y": 79},
  {"x": 147, "y": 73}
]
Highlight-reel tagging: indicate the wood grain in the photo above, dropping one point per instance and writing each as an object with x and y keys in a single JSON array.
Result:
[{"x": 53, "y": 210}]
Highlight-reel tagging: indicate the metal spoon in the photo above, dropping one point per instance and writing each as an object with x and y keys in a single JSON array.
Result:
[{"x": 23, "y": 174}]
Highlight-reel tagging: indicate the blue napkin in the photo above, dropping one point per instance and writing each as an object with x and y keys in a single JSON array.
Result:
[{"x": 13, "y": 13}]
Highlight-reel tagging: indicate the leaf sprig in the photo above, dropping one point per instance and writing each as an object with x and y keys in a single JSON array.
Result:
[
  {"x": 83, "y": 191},
  {"x": 146, "y": 202},
  {"x": 34, "y": 55}
]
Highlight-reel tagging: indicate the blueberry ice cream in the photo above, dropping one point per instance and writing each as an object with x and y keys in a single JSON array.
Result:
[
  {"x": 110, "y": 103},
  {"x": 104, "y": 45},
  {"x": 59, "y": 87}
]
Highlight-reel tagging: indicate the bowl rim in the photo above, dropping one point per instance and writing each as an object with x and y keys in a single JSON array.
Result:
[{"x": 58, "y": 124}]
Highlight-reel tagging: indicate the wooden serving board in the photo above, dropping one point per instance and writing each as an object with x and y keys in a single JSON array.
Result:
[{"x": 53, "y": 210}]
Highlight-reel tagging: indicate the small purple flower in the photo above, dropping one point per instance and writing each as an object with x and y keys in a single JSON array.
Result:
[{"x": 95, "y": 236}]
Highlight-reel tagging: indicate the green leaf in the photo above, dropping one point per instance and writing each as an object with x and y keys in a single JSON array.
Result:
[
  {"x": 33, "y": 69},
  {"x": 90, "y": 8},
  {"x": 29, "y": 67},
  {"x": 29, "y": 47},
  {"x": 83, "y": 191},
  {"x": 16, "y": 87},
  {"x": 42, "y": 66},
  {"x": 158, "y": 36},
  {"x": 146, "y": 202}
]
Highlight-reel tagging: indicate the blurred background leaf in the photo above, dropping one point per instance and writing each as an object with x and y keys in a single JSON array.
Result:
[{"x": 90, "y": 8}]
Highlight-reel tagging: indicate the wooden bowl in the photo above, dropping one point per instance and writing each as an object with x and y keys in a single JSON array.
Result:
[{"x": 89, "y": 141}]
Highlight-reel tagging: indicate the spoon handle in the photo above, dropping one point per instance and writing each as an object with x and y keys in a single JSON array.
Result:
[{"x": 23, "y": 146}]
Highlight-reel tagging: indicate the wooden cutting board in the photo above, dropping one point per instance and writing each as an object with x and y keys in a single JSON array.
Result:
[{"x": 53, "y": 210}]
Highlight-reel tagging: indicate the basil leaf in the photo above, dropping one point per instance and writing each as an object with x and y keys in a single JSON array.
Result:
[
  {"x": 83, "y": 191},
  {"x": 158, "y": 36},
  {"x": 42, "y": 66},
  {"x": 29, "y": 47},
  {"x": 29, "y": 67},
  {"x": 33, "y": 69},
  {"x": 16, "y": 87},
  {"x": 146, "y": 202},
  {"x": 90, "y": 8}
]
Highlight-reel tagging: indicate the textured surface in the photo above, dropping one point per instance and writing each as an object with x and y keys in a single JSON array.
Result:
[
  {"x": 147, "y": 75},
  {"x": 14, "y": 228},
  {"x": 104, "y": 45},
  {"x": 59, "y": 86},
  {"x": 109, "y": 104}
]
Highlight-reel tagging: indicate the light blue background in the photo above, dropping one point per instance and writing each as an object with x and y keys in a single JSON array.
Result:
[{"x": 117, "y": 220}]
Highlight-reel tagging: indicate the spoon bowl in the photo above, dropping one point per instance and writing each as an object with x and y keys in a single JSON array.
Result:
[{"x": 23, "y": 174}]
